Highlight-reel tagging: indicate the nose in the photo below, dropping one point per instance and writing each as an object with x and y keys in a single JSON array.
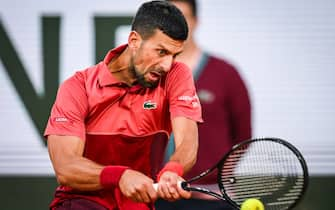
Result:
[{"x": 166, "y": 63}]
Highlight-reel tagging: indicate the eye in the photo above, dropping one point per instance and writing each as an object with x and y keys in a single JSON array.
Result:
[{"x": 162, "y": 52}]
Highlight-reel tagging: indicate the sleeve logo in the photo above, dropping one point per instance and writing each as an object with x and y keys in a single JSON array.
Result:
[
  {"x": 61, "y": 119},
  {"x": 193, "y": 99}
]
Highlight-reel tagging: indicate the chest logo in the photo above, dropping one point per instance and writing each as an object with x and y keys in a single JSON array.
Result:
[{"x": 149, "y": 105}]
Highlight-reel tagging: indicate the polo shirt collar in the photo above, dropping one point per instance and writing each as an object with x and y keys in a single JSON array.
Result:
[{"x": 105, "y": 76}]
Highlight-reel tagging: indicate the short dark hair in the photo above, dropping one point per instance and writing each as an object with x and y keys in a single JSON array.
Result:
[
  {"x": 191, "y": 3},
  {"x": 160, "y": 15}
]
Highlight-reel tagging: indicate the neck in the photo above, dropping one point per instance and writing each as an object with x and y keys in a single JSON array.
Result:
[{"x": 119, "y": 67}]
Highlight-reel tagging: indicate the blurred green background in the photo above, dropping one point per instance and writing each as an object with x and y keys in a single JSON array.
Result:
[{"x": 35, "y": 193}]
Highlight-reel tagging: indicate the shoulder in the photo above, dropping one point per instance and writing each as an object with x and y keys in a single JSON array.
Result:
[
  {"x": 179, "y": 66},
  {"x": 178, "y": 73},
  {"x": 81, "y": 77},
  {"x": 179, "y": 69}
]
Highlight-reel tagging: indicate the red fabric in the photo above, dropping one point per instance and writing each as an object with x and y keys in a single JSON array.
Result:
[
  {"x": 87, "y": 103},
  {"x": 110, "y": 176},
  {"x": 79, "y": 204},
  {"x": 172, "y": 166},
  {"x": 124, "y": 203},
  {"x": 117, "y": 128}
]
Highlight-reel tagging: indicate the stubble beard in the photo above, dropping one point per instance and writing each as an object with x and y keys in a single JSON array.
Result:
[{"x": 140, "y": 77}]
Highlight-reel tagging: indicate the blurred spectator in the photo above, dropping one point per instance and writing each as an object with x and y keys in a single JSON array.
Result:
[{"x": 226, "y": 113}]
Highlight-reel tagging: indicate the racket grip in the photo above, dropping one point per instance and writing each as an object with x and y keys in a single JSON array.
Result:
[{"x": 180, "y": 184}]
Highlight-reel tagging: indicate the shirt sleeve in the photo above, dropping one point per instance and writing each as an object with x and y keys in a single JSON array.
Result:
[
  {"x": 181, "y": 93},
  {"x": 69, "y": 110}
]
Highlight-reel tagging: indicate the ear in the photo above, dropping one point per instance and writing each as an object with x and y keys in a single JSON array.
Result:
[{"x": 134, "y": 40}]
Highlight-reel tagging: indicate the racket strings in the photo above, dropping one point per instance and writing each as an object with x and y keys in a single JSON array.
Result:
[{"x": 264, "y": 170}]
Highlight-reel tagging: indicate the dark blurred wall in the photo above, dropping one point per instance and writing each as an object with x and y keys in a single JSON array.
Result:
[{"x": 35, "y": 193}]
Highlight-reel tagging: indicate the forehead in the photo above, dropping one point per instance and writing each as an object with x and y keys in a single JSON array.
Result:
[{"x": 159, "y": 39}]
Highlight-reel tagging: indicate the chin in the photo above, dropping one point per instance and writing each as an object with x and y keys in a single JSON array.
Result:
[{"x": 150, "y": 84}]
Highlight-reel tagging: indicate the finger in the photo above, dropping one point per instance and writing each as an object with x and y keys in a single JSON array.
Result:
[
  {"x": 152, "y": 193},
  {"x": 145, "y": 197},
  {"x": 164, "y": 191},
  {"x": 142, "y": 193},
  {"x": 184, "y": 193},
  {"x": 174, "y": 192},
  {"x": 173, "y": 187},
  {"x": 136, "y": 197}
]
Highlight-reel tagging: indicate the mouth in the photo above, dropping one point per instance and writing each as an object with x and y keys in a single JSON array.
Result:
[{"x": 154, "y": 75}]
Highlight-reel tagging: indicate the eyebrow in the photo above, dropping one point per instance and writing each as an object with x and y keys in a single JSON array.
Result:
[
  {"x": 162, "y": 46},
  {"x": 178, "y": 53}
]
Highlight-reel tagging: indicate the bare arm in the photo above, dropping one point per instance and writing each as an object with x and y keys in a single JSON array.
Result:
[
  {"x": 80, "y": 173},
  {"x": 72, "y": 169},
  {"x": 186, "y": 140}
]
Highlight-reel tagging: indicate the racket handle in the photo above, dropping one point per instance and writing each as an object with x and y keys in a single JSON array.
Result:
[{"x": 155, "y": 185}]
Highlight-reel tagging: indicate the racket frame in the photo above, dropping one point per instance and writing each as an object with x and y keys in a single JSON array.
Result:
[{"x": 223, "y": 196}]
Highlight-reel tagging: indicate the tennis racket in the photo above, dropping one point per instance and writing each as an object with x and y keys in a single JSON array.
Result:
[{"x": 269, "y": 169}]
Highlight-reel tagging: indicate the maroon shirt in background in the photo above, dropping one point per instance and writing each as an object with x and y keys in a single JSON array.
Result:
[{"x": 226, "y": 113}]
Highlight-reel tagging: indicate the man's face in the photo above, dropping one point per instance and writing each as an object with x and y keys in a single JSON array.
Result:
[{"x": 153, "y": 58}]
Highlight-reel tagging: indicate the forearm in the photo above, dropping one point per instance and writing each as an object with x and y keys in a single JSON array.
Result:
[
  {"x": 80, "y": 173},
  {"x": 74, "y": 170},
  {"x": 186, "y": 142},
  {"x": 85, "y": 175},
  {"x": 186, "y": 155}
]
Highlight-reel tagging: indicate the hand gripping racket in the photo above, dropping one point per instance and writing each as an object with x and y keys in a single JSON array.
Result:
[{"x": 269, "y": 169}]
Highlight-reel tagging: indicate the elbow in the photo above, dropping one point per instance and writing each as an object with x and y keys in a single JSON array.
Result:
[
  {"x": 62, "y": 178},
  {"x": 193, "y": 161}
]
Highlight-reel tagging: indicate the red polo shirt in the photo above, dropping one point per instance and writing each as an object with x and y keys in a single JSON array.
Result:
[{"x": 121, "y": 125}]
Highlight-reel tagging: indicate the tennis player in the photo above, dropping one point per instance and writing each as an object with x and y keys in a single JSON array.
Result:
[
  {"x": 109, "y": 120},
  {"x": 226, "y": 109}
]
